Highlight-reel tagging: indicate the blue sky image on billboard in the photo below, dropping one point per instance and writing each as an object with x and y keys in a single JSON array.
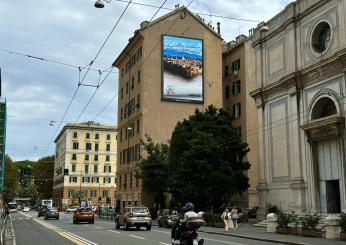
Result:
[{"x": 182, "y": 69}]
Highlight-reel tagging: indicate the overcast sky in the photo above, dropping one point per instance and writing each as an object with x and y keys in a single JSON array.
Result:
[{"x": 72, "y": 32}]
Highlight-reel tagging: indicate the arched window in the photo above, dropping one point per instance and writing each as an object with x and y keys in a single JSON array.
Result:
[{"x": 324, "y": 107}]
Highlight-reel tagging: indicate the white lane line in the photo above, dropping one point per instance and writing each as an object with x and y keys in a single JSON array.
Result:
[
  {"x": 98, "y": 227},
  {"x": 142, "y": 238},
  {"x": 20, "y": 218},
  {"x": 166, "y": 232},
  {"x": 225, "y": 242},
  {"x": 164, "y": 243},
  {"x": 27, "y": 218},
  {"x": 114, "y": 231},
  {"x": 80, "y": 238}
]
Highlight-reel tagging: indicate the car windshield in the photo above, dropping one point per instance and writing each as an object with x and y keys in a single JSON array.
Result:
[
  {"x": 85, "y": 210},
  {"x": 139, "y": 210},
  {"x": 53, "y": 210}
]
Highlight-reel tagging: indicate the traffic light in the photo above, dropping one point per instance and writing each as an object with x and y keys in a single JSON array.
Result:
[{"x": 65, "y": 171}]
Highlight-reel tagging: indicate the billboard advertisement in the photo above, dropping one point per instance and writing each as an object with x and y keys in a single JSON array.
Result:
[{"x": 182, "y": 69}]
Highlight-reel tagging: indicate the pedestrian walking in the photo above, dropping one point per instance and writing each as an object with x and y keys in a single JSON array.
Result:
[
  {"x": 234, "y": 217},
  {"x": 226, "y": 217}
]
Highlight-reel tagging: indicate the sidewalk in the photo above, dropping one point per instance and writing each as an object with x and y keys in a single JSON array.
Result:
[{"x": 249, "y": 231}]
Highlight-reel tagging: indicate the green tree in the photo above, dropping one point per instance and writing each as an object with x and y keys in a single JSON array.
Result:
[
  {"x": 11, "y": 180},
  {"x": 206, "y": 158},
  {"x": 154, "y": 169},
  {"x": 43, "y": 173}
]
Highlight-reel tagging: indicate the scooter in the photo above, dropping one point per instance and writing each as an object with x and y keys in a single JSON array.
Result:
[{"x": 187, "y": 233}]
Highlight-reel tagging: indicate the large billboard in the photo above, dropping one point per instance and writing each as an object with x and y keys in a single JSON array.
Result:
[{"x": 182, "y": 69}]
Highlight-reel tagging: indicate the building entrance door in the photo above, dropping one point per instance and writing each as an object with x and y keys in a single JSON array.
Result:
[{"x": 329, "y": 175}]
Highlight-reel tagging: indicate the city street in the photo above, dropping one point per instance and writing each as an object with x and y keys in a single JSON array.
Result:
[{"x": 32, "y": 230}]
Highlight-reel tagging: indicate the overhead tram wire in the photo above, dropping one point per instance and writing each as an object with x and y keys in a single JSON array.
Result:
[
  {"x": 164, "y": 2},
  {"x": 200, "y": 13},
  {"x": 89, "y": 67},
  {"x": 170, "y": 27}
]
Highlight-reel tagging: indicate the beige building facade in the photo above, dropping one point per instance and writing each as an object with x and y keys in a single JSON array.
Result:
[
  {"x": 300, "y": 97},
  {"x": 85, "y": 164},
  {"x": 238, "y": 81},
  {"x": 144, "y": 107}
]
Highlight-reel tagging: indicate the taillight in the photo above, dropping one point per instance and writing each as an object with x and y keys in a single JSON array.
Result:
[{"x": 131, "y": 214}]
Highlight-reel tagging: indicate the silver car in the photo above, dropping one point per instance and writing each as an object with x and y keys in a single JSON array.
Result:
[{"x": 133, "y": 217}]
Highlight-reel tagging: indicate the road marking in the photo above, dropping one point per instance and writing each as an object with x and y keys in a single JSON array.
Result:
[
  {"x": 143, "y": 238},
  {"x": 98, "y": 227},
  {"x": 225, "y": 242},
  {"x": 164, "y": 243},
  {"x": 166, "y": 232},
  {"x": 114, "y": 231},
  {"x": 81, "y": 238}
]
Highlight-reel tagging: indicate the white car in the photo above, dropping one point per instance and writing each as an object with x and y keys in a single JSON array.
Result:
[
  {"x": 26, "y": 209},
  {"x": 71, "y": 209}
]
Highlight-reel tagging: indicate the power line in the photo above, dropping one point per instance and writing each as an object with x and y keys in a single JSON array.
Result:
[
  {"x": 200, "y": 13},
  {"x": 34, "y": 119},
  {"x": 42, "y": 59}
]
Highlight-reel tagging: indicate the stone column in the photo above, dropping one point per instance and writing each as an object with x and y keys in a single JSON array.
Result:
[
  {"x": 332, "y": 227},
  {"x": 271, "y": 219}
]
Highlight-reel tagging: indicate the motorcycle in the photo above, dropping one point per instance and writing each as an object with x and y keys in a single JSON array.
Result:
[{"x": 187, "y": 233}]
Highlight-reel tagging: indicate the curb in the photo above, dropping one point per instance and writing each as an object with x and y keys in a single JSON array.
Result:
[{"x": 256, "y": 238}]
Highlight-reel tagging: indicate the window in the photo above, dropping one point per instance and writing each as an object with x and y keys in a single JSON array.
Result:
[
  {"x": 108, "y": 137},
  {"x": 86, "y": 179},
  {"x": 236, "y": 65},
  {"x": 86, "y": 157},
  {"x": 138, "y": 76},
  {"x": 321, "y": 37},
  {"x": 236, "y": 87},
  {"x": 95, "y": 169},
  {"x": 124, "y": 156},
  {"x": 87, "y": 135},
  {"x": 75, "y": 145},
  {"x": 125, "y": 111},
  {"x": 121, "y": 135},
  {"x": 120, "y": 182},
  {"x": 108, "y": 147},
  {"x": 138, "y": 105},
  {"x": 73, "y": 168},
  {"x": 97, "y": 136},
  {"x": 96, "y": 157},
  {"x": 133, "y": 83},
  {"x": 121, "y": 158},
  {"x": 107, "y": 158},
  {"x": 227, "y": 92},
  {"x": 86, "y": 168},
  {"x": 122, "y": 72},
  {"x": 137, "y": 152},
  {"x": 137, "y": 126},
  {"x": 95, "y": 179},
  {"x": 74, "y": 134},
  {"x": 137, "y": 180},
  {"x": 127, "y": 87},
  {"x": 131, "y": 180},
  {"x": 71, "y": 193},
  {"x": 140, "y": 52},
  {"x": 93, "y": 193},
  {"x": 107, "y": 180},
  {"x": 88, "y": 146},
  {"x": 74, "y": 179},
  {"x": 105, "y": 193},
  {"x": 236, "y": 110},
  {"x": 125, "y": 181},
  {"x": 122, "y": 92},
  {"x": 121, "y": 114},
  {"x": 96, "y": 147},
  {"x": 74, "y": 156},
  {"x": 226, "y": 71},
  {"x": 107, "y": 169}
]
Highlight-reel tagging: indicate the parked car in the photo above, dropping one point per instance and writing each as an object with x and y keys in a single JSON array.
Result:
[
  {"x": 71, "y": 209},
  {"x": 19, "y": 207},
  {"x": 134, "y": 216},
  {"x": 51, "y": 213},
  {"x": 167, "y": 218},
  {"x": 42, "y": 211},
  {"x": 26, "y": 209},
  {"x": 83, "y": 214}
]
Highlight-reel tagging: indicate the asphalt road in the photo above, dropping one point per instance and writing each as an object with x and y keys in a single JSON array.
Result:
[{"x": 31, "y": 230}]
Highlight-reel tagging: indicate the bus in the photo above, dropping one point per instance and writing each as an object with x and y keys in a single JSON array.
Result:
[
  {"x": 47, "y": 202},
  {"x": 12, "y": 207}
]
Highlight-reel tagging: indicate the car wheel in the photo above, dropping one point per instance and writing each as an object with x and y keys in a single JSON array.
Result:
[
  {"x": 148, "y": 227},
  {"x": 117, "y": 225},
  {"x": 45, "y": 217},
  {"x": 159, "y": 224},
  {"x": 126, "y": 226}
]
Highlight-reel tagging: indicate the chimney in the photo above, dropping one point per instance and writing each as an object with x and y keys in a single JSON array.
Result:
[{"x": 218, "y": 28}]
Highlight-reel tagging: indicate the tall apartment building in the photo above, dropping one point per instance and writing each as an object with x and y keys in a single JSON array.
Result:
[
  {"x": 88, "y": 152},
  {"x": 238, "y": 81},
  {"x": 170, "y": 67}
]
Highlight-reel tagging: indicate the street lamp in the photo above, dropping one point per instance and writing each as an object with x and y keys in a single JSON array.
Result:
[{"x": 100, "y": 4}]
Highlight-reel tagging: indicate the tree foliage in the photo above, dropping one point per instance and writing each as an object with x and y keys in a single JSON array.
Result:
[
  {"x": 154, "y": 168},
  {"x": 206, "y": 159},
  {"x": 11, "y": 180},
  {"x": 43, "y": 173}
]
